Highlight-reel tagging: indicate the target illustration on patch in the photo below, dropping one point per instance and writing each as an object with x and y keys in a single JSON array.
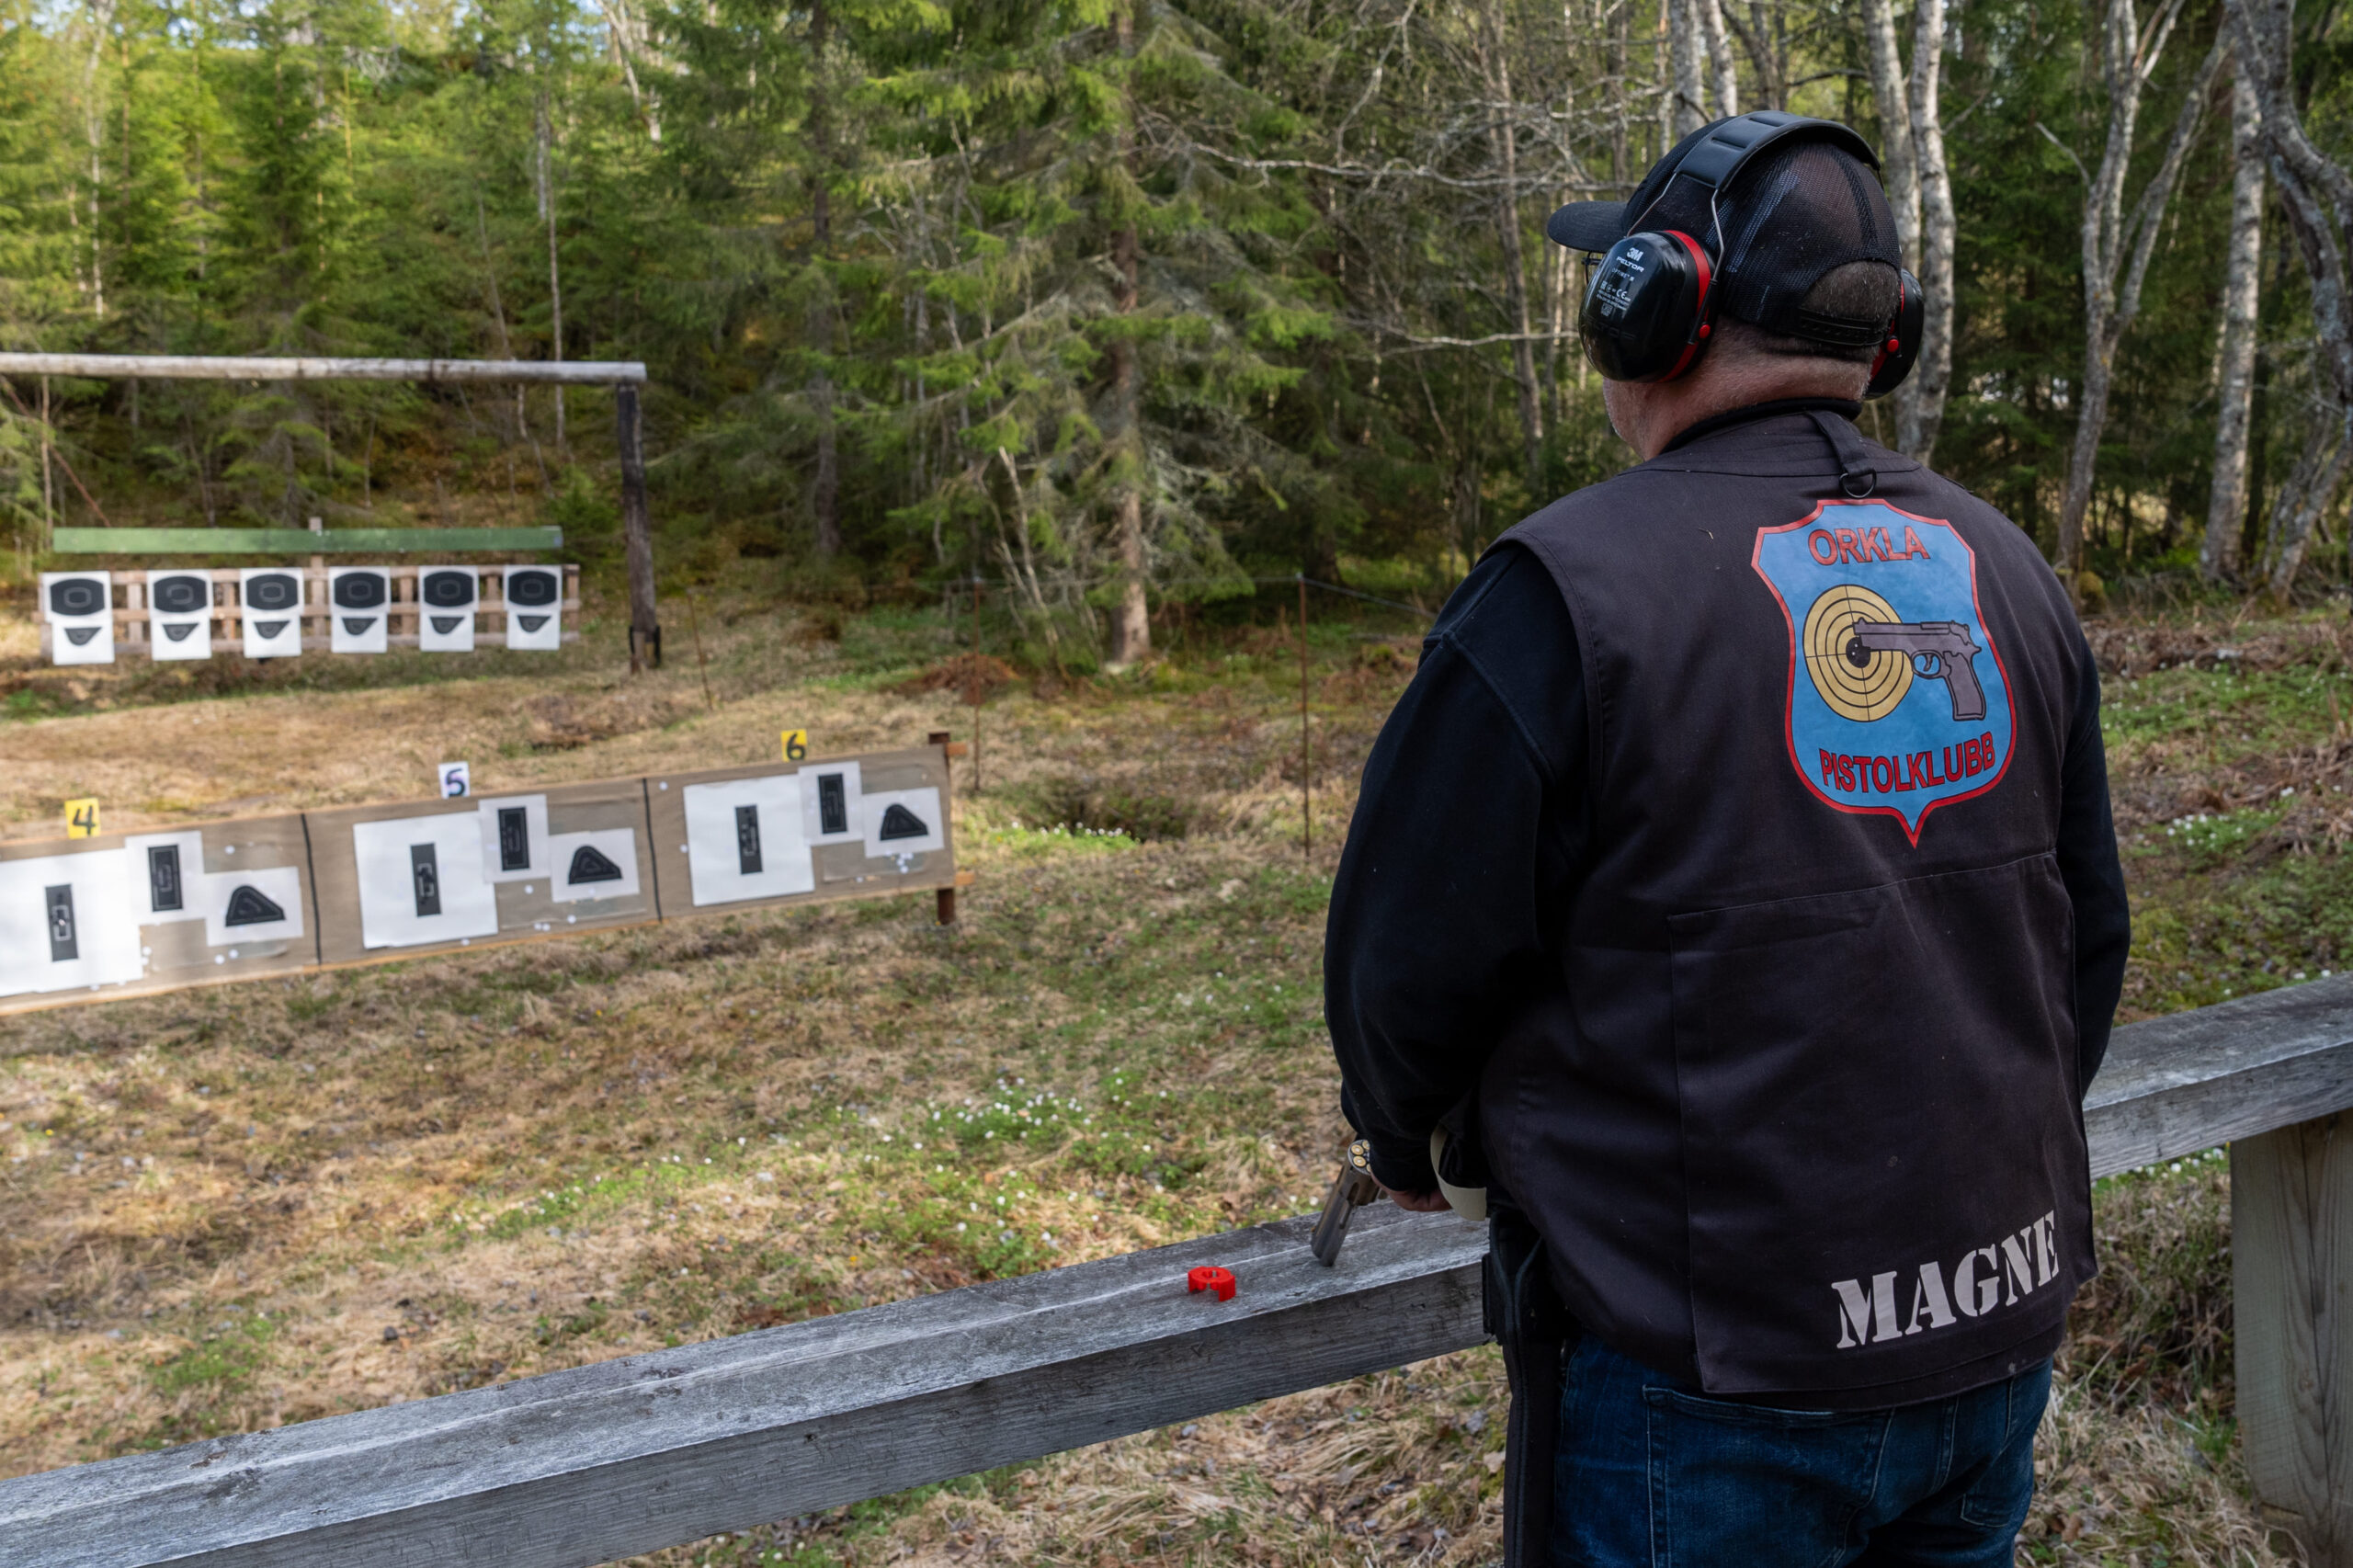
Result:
[{"x": 1897, "y": 700}]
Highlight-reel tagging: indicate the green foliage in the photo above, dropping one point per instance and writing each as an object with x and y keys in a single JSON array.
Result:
[{"x": 983, "y": 270}]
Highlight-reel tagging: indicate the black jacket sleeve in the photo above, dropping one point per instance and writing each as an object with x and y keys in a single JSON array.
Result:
[
  {"x": 2094, "y": 878},
  {"x": 1463, "y": 845}
]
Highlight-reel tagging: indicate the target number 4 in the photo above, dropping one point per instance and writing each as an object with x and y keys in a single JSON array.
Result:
[
  {"x": 796, "y": 746},
  {"x": 82, "y": 819}
]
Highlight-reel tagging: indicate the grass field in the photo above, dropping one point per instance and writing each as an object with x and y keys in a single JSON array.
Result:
[{"x": 259, "y": 1204}]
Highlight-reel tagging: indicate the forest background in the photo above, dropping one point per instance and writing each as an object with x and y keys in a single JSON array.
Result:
[{"x": 1130, "y": 306}]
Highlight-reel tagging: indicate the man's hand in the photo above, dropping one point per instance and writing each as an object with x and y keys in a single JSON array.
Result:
[{"x": 1430, "y": 1202}]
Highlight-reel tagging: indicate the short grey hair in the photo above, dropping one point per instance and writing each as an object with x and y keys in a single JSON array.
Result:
[{"x": 1860, "y": 291}]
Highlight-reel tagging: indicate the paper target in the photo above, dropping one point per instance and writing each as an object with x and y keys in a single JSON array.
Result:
[
  {"x": 829, "y": 804},
  {"x": 272, "y": 598},
  {"x": 179, "y": 615},
  {"x": 421, "y": 881},
  {"x": 445, "y": 610},
  {"x": 257, "y": 904},
  {"x": 744, "y": 840},
  {"x": 79, "y": 609},
  {"x": 360, "y": 609},
  {"x": 1857, "y": 682},
  {"x": 600, "y": 864},
  {"x": 165, "y": 871},
  {"x": 515, "y": 838},
  {"x": 902, "y": 822},
  {"x": 68, "y": 921},
  {"x": 534, "y": 607}
]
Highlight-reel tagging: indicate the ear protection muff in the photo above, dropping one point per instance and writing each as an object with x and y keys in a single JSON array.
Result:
[
  {"x": 1901, "y": 350},
  {"x": 1646, "y": 306},
  {"x": 1645, "y": 316}
]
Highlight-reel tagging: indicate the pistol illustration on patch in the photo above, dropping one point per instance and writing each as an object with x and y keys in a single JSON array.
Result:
[{"x": 1939, "y": 650}]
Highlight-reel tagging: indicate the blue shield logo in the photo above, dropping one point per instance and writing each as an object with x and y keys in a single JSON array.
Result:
[{"x": 1898, "y": 701}]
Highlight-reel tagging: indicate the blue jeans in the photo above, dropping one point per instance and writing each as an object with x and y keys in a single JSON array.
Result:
[{"x": 1654, "y": 1474}]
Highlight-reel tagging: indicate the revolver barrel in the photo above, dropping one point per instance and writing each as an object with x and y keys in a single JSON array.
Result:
[{"x": 1354, "y": 1189}]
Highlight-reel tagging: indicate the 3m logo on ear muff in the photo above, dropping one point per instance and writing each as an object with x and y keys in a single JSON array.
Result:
[{"x": 1645, "y": 313}]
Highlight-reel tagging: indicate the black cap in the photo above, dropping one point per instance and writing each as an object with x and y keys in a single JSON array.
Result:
[{"x": 1806, "y": 203}]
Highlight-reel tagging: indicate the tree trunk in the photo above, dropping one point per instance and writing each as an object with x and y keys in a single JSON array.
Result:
[
  {"x": 1688, "y": 112},
  {"x": 626, "y": 34},
  {"x": 1726, "y": 82},
  {"x": 1505, "y": 135},
  {"x": 1130, "y": 617},
  {"x": 2128, "y": 55},
  {"x": 1898, "y": 169},
  {"x": 1920, "y": 401},
  {"x": 546, "y": 129},
  {"x": 2315, "y": 199},
  {"x": 825, "y": 490},
  {"x": 94, "y": 115},
  {"x": 2310, "y": 488},
  {"x": 2226, "y": 502}
]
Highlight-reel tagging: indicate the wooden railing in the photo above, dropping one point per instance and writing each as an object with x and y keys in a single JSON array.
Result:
[{"x": 581, "y": 1466}]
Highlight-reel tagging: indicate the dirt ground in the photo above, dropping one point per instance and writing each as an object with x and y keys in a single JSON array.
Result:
[{"x": 239, "y": 1207}]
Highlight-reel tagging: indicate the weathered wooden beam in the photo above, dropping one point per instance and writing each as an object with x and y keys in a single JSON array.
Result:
[
  {"x": 581, "y": 1466},
  {"x": 241, "y": 368},
  {"x": 300, "y": 541},
  {"x": 2291, "y": 1283},
  {"x": 2197, "y": 1080}
]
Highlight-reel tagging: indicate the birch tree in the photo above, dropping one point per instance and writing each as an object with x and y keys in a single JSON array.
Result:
[
  {"x": 1919, "y": 189},
  {"x": 2316, "y": 200},
  {"x": 2234, "y": 368},
  {"x": 2117, "y": 246}
]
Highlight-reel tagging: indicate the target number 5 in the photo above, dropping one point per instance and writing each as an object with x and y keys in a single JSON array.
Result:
[
  {"x": 796, "y": 746},
  {"x": 82, "y": 819}
]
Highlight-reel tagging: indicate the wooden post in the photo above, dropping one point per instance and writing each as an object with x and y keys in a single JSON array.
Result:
[
  {"x": 979, "y": 678},
  {"x": 1306, "y": 797},
  {"x": 943, "y": 739},
  {"x": 645, "y": 629},
  {"x": 2291, "y": 1279}
]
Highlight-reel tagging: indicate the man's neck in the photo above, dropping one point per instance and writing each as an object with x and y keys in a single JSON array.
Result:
[{"x": 1650, "y": 416}]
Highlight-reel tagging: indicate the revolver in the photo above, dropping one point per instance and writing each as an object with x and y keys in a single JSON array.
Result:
[
  {"x": 1354, "y": 1189},
  {"x": 1940, "y": 650}
]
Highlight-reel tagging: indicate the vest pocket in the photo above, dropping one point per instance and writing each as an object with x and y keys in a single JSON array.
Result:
[{"x": 1881, "y": 1142}]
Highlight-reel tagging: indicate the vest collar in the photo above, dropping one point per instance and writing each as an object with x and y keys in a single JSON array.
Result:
[{"x": 1847, "y": 408}]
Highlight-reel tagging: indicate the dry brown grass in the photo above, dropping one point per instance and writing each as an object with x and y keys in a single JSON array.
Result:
[{"x": 236, "y": 1207}]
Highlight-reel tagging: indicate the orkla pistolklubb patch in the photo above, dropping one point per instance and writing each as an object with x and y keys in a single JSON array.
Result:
[{"x": 1898, "y": 701}]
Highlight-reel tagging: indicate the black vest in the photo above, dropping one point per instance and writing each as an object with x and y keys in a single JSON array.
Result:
[{"x": 1803, "y": 1117}]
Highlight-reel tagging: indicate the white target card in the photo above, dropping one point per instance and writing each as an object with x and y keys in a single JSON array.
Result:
[
  {"x": 360, "y": 609},
  {"x": 179, "y": 615},
  {"x": 445, "y": 610},
  {"x": 513, "y": 837},
  {"x": 830, "y": 792},
  {"x": 597, "y": 864},
  {"x": 272, "y": 611},
  {"x": 255, "y": 905},
  {"x": 534, "y": 607},
  {"x": 78, "y": 607},
  {"x": 744, "y": 840},
  {"x": 421, "y": 881},
  {"x": 166, "y": 872},
  {"x": 904, "y": 821},
  {"x": 68, "y": 921}
]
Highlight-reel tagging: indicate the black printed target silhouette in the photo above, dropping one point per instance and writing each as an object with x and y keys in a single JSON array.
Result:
[
  {"x": 1857, "y": 682},
  {"x": 273, "y": 591},
  {"x": 248, "y": 906},
  {"x": 590, "y": 864},
  {"x": 78, "y": 596},
  {"x": 182, "y": 595},
  {"x": 359, "y": 590}
]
